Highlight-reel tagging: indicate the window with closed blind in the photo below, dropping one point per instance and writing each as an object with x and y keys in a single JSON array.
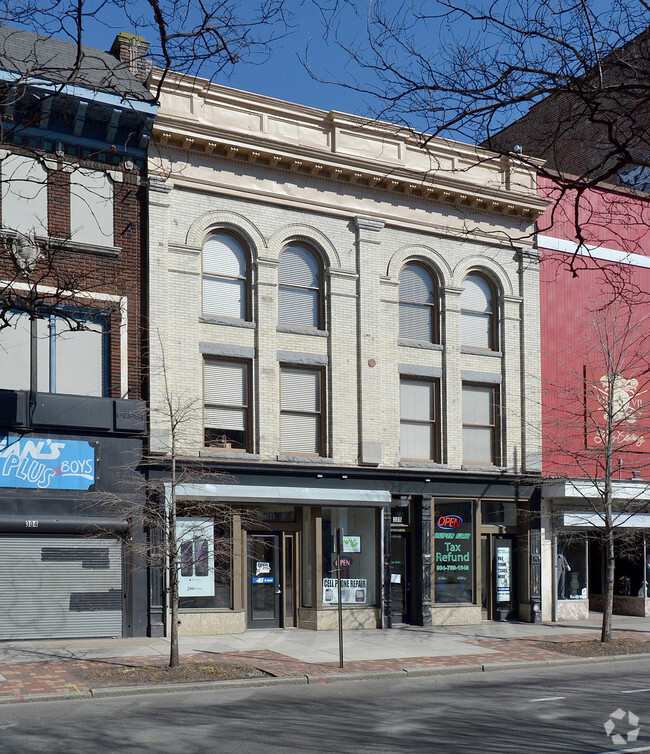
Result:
[
  {"x": 300, "y": 288},
  {"x": 419, "y": 433},
  {"x": 225, "y": 277},
  {"x": 478, "y": 313},
  {"x": 480, "y": 425},
  {"x": 301, "y": 411},
  {"x": 226, "y": 416},
  {"x": 417, "y": 304}
]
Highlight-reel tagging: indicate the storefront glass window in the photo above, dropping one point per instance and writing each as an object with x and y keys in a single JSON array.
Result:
[
  {"x": 198, "y": 555},
  {"x": 495, "y": 513},
  {"x": 629, "y": 564},
  {"x": 358, "y": 563},
  {"x": 571, "y": 568},
  {"x": 453, "y": 571}
]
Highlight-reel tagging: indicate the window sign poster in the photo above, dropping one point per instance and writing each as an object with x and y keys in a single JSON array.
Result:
[
  {"x": 353, "y": 591},
  {"x": 454, "y": 552},
  {"x": 503, "y": 573},
  {"x": 46, "y": 464},
  {"x": 351, "y": 543},
  {"x": 195, "y": 542}
]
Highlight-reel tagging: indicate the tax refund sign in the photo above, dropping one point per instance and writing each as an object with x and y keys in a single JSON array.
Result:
[
  {"x": 454, "y": 552},
  {"x": 46, "y": 464}
]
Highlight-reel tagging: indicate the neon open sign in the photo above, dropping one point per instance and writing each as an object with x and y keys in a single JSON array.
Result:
[{"x": 449, "y": 522}]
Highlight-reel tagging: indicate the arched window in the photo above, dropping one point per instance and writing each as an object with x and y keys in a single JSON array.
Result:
[
  {"x": 300, "y": 294},
  {"x": 225, "y": 277},
  {"x": 478, "y": 313},
  {"x": 417, "y": 304}
]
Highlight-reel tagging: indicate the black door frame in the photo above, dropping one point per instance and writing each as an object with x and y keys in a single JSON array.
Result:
[{"x": 276, "y": 621}]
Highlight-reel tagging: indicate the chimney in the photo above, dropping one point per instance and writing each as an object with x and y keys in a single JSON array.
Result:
[{"x": 131, "y": 51}]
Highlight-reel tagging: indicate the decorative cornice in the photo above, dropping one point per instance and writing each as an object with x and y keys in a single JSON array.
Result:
[{"x": 215, "y": 123}]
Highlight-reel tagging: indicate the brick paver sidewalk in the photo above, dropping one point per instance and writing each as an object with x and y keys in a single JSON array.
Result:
[{"x": 21, "y": 680}]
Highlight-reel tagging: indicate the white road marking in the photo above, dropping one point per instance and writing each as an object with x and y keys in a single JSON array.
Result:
[
  {"x": 547, "y": 699},
  {"x": 627, "y": 751},
  {"x": 635, "y": 691}
]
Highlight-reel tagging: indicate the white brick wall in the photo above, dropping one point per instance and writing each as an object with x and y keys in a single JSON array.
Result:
[{"x": 362, "y": 262}]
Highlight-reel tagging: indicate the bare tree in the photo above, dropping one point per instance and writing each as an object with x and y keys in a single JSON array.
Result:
[
  {"x": 562, "y": 81},
  {"x": 596, "y": 418}
]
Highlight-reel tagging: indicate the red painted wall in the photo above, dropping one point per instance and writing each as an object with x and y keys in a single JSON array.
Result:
[{"x": 573, "y": 290}]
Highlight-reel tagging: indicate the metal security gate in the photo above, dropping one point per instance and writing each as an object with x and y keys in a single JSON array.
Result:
[{"x": 60, "y": 587}]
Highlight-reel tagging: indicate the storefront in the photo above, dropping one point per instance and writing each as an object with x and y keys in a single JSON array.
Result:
[
  {"x": 260, "y": 552},
  {"x": 577, "y": 563},
  {"x": 67, "y": 507},
  {"x": 271, "y": 558}
]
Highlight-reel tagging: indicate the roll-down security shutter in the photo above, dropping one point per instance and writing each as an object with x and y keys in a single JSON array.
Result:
[{"x": 60, "y": 587}]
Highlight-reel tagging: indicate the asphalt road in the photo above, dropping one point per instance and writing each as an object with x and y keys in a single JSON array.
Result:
[{"x": 541, "y": 710}]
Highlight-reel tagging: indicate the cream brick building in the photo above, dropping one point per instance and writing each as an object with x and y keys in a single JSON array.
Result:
[{"x": 357, "y": 321}]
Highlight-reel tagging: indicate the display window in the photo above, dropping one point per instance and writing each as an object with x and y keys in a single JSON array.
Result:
[
  {"x": 453, "y": 570},
  {"x": 358, "y": 559},
  {"x": 571, "y": 567}
]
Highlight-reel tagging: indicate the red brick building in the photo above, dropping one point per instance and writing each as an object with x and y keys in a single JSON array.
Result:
[{"x": 72, "y": 333}]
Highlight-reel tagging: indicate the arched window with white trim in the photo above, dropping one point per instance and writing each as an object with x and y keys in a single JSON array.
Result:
[
  {"x": 479, "y": 313},
  {"x": 418, "y": 318},
  {"x": 225, "y": 277},
  {"x": 300, "y": 289}
]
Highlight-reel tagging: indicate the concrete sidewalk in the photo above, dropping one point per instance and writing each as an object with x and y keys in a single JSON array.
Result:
[{"x": 37, "y": 670}]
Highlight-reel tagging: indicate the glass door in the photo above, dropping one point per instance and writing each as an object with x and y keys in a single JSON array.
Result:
[
  {"x": 400, "y": 579},
  {"x": 264, "y": 580}
]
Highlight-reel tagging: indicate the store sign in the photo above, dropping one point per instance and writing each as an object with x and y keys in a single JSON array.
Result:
[
  {"x": 195, "y": 546},
  {"x": 353, "y": 591},
  {"x": 449, "y": 522},
  {"x": 503, "y": 574},
  {"x": 46, "y": 464}
]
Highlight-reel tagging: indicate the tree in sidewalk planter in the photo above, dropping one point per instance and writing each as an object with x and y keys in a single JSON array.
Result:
[
  {"x": 598, "y": 425},
  {"x": 565, "y": 82},
  {"x": 189, "y": 541}
]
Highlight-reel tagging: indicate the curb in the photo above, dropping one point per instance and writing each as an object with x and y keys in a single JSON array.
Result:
[{"x": 314, "y": 678}]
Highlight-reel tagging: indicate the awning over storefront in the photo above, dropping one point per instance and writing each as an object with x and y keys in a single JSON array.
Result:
[
  {"x": 273, "y": 495},
  {"x": 620, "y": 520}
]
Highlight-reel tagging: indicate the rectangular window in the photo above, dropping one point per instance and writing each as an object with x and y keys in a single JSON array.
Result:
[
  {"x": 205, "y": 562},
  {"x": 453, "y": 538},
  {"x": 24, "y": 195},
  {"x": 418, "y": 422},
  {"x": 480, "y": 425},
  {"x": 226, "y": 415},
  {"x": 358, "y": 568},
  {"x": 91, "y": 207},
  {"x": 301, "y": 411},
  {"x": 68, "y": 361}
]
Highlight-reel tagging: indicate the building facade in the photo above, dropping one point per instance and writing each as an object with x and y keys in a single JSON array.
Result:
[
  {"x": 349, "y": 328},
  {"x": 72, "y": 415},
  {"x": 594, "y": 292}
]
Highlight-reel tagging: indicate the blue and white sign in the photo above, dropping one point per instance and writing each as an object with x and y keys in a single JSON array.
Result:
[{"x": 46, "y": 464}]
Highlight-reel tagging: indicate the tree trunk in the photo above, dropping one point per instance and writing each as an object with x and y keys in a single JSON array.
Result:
[{"x": 608, "y": 607}]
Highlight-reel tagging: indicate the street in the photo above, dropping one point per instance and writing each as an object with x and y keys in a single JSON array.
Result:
[{"x": 533, "y": 710}]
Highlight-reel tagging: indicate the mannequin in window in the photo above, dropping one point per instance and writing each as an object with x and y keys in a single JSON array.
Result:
[{"x": 562, "y": 568}]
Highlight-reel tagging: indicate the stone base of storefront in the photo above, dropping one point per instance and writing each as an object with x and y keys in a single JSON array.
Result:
[
  {"x": 622, "y": 605},
  {"x": 456, "y": 616},
  {"x": 328, "y": 618},
  {"x": 572, "y": 610},
  {"x": 207, "y": 624}
]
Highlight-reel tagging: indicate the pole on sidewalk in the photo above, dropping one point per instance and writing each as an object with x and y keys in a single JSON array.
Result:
[{"x": 339, "y": 548}]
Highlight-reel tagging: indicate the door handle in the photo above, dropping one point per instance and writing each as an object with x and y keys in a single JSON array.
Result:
[{"x": 279, "y": 590}]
